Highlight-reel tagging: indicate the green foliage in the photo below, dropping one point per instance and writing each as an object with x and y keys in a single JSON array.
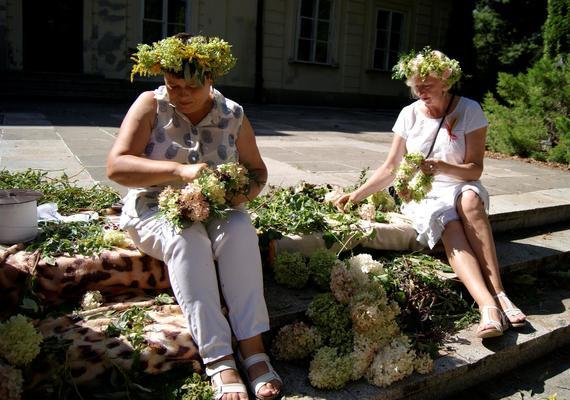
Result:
[
  {"x": 197, "y": 388},
  {"x": 302, "y": 210},
  {"x": 69, "y": 197},
  {"x": 430, "y": 306},
  {"x": 556, "y": 30},
  {"x": 532, "y": 119},
  {"x": 130, "y": 324},
  {"x": 507, "y": 37},
  {"x": 70, "y": 238}
]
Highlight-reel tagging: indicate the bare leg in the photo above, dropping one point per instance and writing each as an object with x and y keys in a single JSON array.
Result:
[
  {"x": 465, "y": 264},
  {"x": 480, "y": 237},
  {"x": 249, "y": 347}
]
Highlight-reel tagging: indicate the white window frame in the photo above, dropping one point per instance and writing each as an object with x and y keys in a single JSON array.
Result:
[
  {"x": 385, "y": 63},
  {"x": 313, "y": 38},
  {"x": 163, "y": 21}
]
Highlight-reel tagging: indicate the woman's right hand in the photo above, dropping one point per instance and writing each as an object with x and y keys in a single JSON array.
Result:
[
  {"x": 344, "y": 201},
  {"x": 189, "y": 172}
]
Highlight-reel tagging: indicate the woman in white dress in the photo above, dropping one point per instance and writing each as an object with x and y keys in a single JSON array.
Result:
[{"x": 455, "y": 209}]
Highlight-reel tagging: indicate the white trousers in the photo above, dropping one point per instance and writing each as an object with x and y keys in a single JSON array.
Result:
[{"x": 190, "y": 255}]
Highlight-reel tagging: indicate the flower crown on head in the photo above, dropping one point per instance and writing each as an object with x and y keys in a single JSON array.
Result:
[
  {"x": 197, "y": 57},
  {"x": 426, "y": 63}
]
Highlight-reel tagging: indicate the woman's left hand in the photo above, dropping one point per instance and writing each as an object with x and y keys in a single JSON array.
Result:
[{"x": 431, "y": 166}]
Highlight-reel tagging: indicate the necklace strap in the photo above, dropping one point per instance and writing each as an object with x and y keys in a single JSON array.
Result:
[{"x": 440, "y": 124}]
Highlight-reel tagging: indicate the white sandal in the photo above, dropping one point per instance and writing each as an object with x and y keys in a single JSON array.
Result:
[
  {"x": 510, "y": 310},
  {"x": 497, "y": 327},
  {"x": 258, "y": 382},
  {"x": 220, "y": 388}
]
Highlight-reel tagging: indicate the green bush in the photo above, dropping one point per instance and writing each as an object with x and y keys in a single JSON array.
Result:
[{"x": 529, "y": 118}]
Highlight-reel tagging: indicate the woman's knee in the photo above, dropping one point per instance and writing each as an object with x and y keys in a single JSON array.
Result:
[{"x": 470, "y": 204}]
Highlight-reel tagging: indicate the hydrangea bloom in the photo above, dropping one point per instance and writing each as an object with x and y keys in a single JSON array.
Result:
[
  {"x": 392, "y": 363},
  {"x": 333, "y": 195},
  {"x": 342, "y": 285},
  {"x": 423, "y": 364},
  {"x": 115, "y": 238},
  {"x": 332, "y": 320},
  {"x": 193, "y": 203},
  {"x": 321, "y": 263},
  {"x": 91, "y": 300},
  {"x": 329, "y": 370},
  {"x": 296, "y": 341},
  {"x": 11, "y": 382},
  {"x": 367, "y": 212},
  {"x": 291, "y": 270},
  {"x": 362, "y": 355},
  {"x": 382, "y": 201},
  {"x": 19, "y": 340},
  {"x": 361, "y": 265}
]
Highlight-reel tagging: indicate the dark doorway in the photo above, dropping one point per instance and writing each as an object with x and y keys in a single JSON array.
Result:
[{"x": 53, "y": 35}]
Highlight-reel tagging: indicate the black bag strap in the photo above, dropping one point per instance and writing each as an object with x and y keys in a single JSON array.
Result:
[{"x": 440, "y": 124}]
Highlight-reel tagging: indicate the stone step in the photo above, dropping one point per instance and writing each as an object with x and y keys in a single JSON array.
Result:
[
  {"x": 512, "y": 212},
  {"x": 466, "y": 361}
]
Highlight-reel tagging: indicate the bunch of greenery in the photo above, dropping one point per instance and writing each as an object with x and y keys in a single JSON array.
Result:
[
  {"x": 302, "y": 210},
  {"x": 69, "y": 197},
  {"x": 530, "y": 118},
  {"x": 71, "y": 238},
  {"x": 130, "y": 324},
  {"x": 431, "y": 306}
]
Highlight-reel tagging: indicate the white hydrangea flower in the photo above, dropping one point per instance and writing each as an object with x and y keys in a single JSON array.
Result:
[
  {"x": 11, "y": 382},
  {"x": 91, "y": 300}
]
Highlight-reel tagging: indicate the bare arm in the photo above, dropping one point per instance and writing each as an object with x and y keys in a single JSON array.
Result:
[
  {"x": 472, "y": 168},
  {"x": 250, "y": 157},
  {"x": 381, "y": 178},
  {"x": 124, "y": 162}
]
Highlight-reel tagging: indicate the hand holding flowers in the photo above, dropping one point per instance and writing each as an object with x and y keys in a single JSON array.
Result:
[
  {"x": 411, "y": 183},
  {"x": 210, "y": 194}
]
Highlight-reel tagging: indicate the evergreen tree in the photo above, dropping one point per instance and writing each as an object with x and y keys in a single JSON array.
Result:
[
  {"x": 557, "y": 29},
  {"x": 508, "y": 37}
]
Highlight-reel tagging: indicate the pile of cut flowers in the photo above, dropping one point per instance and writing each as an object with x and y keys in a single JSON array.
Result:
[{"x": 379, "y": 319}]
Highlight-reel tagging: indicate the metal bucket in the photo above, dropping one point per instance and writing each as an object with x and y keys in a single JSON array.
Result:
[{"x": 18, "y": 215}]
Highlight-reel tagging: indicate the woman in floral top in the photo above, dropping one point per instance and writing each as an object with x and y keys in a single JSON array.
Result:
[{"x": 168, "y": 138}]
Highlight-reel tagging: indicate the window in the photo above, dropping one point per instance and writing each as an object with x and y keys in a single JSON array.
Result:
[
  {"x": 164, "y": 18},
  {"x": 388, "y": 41},
  {"x": 314, "y": 31}
]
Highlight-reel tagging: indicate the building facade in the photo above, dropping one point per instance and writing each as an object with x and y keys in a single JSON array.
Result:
[{"x": 289, "y": 51}]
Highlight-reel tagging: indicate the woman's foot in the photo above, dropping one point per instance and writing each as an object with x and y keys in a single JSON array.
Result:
[
  {"x": 263, "y": 380},
  {"x": 516, "y": 317},
  {"x": 493, "y": 322},
  {"x": 226, "y": 381}
]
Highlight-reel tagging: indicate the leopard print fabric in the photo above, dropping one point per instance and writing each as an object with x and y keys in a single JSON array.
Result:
[
  {"x": 112, "y": 272},
  {"x": 91, "y": 352}
]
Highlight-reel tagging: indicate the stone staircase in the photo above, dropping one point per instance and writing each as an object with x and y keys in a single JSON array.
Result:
[{"x": 532, "y": 234}]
